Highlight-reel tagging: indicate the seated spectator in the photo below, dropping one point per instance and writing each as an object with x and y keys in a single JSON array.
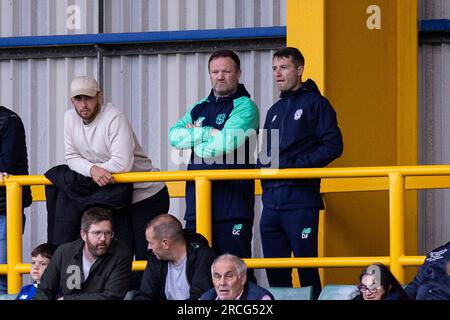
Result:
[
  {"x": 378, "y": 283},
  {"x": 95, "y": 267},
  {"x": 40, "y": 257},
  {"x": 229, "y": 274},
  {"x": 178, "y": 262},
  {"x": 432, "y": 281}
]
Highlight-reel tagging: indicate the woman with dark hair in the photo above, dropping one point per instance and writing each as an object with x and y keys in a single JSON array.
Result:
[{"x": 378, "y": 283}]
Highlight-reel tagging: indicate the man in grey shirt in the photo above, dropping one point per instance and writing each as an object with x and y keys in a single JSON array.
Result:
[{"x": 178, "y": 262}]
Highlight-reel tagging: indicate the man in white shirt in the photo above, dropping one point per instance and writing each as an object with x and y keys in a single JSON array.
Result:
[{"x": 99, "y": 141}]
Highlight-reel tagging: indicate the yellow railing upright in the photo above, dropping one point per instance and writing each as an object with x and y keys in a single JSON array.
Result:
[{"x": 394, "y": 179}]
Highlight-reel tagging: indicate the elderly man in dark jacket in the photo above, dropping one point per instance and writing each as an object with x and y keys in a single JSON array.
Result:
[
  {"x": 178, "y": 263},
  {"x": 94, "y": 268}
]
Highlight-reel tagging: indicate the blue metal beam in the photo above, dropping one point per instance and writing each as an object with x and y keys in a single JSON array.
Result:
[{"x": 437, "y": 25}]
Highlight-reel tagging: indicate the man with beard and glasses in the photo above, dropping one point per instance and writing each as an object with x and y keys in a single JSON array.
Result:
[{"x": 95, "y": 267}]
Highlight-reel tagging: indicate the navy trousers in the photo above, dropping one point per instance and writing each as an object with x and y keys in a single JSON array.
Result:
[
  {"x": 284, "y": 232},
  {"x": 231, "y": 236}
]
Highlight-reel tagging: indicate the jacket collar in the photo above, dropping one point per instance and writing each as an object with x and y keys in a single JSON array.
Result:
[
  {"x": 308, "y": 85},
  {"x": 240, "y": 92}
]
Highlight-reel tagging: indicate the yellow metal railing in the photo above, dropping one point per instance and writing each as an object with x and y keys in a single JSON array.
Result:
[{"x": 394, "y": 179}]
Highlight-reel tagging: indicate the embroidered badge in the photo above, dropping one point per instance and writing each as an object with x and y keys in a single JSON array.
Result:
[
  {"x": 220, "y": 118},
  {"x": 298, "y": 114}
]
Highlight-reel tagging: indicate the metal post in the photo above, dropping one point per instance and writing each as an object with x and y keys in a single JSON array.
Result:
[
  {"x": 98, "y": 48},
  {"x": 101, "y": 16},
  {"x": 203, "y": 208},
  {"x": 14, "y": 235},
  {"x": 396, "y": 224}
]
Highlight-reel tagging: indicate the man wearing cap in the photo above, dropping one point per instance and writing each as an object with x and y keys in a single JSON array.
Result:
[{"x": 99, "y": 141}]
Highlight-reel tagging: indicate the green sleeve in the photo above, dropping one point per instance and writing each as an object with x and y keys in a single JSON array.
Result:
[
  {"x": 181, "y": 137},
  {"x": 242, "y": 123}
]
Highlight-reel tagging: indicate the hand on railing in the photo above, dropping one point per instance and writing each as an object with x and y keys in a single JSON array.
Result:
[
  {"x": 101, "y": 176},
  {"x": 3, "y": 175}
]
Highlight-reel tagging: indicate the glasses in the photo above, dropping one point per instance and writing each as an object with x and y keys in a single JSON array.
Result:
[
  {"x": 364, "y": 288},
  {"x": 98, "y": 234}
]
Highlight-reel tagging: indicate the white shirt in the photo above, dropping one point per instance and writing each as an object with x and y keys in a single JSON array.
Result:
[
  {"x": 107, "y": 142},
  {"x": 87, "y": 264}
]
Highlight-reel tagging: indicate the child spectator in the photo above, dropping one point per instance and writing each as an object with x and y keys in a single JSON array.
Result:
[{"x": 40, "y": 258}]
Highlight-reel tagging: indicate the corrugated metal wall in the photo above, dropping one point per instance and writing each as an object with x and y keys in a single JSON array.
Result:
[
  {"x": 434, "y": 9},
  {"x": 161, "y": 15},
  {"x": 47, "y": 17},
  {"x": 153, "y": 90},
  {"x": 434, "y": 127},
  {"x": 50, "y": 17}
]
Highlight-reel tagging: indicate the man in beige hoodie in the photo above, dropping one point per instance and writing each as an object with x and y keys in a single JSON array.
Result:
[{"x": 99, "y": 141}]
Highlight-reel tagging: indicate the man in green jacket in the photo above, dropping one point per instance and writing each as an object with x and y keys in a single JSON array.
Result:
[
  {"x": 221, "y": 132},
  {"x": 95, "y": 267}
]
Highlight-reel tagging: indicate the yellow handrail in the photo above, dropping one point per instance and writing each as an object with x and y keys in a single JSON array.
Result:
[{"x": 399, "y": 179}]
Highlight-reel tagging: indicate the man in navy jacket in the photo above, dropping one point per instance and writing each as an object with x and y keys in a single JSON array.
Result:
[
  {"x": 308, "y": 137},
  {"x": 13, "y": 161},
  {"x": 432, "y": 282}
]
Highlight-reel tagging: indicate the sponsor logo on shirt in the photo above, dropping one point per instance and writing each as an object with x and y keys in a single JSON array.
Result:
[
  {"x": 195, "y": 245},
  {"x": 274, "y": 118},
  {"x": 436, "y": 255},
  {"x": 198, "y": 122},
  {"x": 237, "y": 229},
  {"x": 305, "y": 233}
]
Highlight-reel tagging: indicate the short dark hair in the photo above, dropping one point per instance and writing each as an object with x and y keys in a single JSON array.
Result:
[
  {"x": 95, "y": 215},
  {"x": 166, "y": 226},
  {"x": 225, "y": 54},
  {"x": 291, "y": 52},
  {"x": 45, "y": 249}
]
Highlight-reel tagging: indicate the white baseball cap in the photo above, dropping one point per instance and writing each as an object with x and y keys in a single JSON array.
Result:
[{"x": 84, "y": 86}]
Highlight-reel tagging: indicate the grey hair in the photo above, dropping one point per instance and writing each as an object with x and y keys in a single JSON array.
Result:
[{"x": 241, "y": 267}]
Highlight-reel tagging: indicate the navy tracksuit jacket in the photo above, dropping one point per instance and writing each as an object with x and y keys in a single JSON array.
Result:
[
  {"x": 308, "y": 137},
  {"x": 432, "y": 282}
]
